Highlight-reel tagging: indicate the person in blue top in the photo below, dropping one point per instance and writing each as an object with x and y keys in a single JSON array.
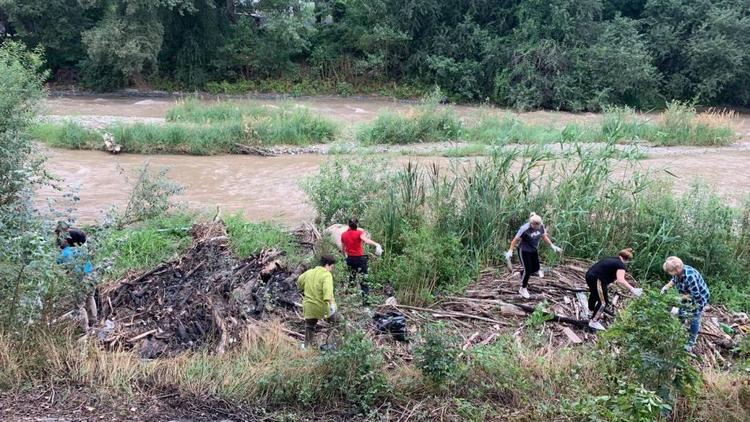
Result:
[
  {"x": 694, "y": 289},
  {"x": 527, "y": 239},
  {"x": 74, "y": 258}
]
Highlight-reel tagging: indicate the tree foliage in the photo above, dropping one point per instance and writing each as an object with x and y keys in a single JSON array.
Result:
[{"x": 559, "y": 54}]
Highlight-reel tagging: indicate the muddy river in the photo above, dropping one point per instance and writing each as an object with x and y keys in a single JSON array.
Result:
[{"x": 269, "y": 188}]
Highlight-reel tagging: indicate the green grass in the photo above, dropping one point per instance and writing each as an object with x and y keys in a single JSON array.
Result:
[
  {"x": 249, "y": 238},
  {"x": 427, "y": 124},
  {"x": 68, "y": 134},
  {"x": 144, "y": 246},
  {"x": 201, "y": 129}
]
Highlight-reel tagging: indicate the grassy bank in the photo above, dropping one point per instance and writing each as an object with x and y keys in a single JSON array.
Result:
[{"x": 198, "y": 128}]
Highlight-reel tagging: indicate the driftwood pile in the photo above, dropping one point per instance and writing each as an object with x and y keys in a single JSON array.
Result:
[
  {"x": 203, "y": 299},
  {"x": 493, "y": 307}
]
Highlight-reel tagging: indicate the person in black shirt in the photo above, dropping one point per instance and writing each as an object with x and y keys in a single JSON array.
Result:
[
  {"x": 600, "y": 276},
  {"x": 68, "y": 236}
]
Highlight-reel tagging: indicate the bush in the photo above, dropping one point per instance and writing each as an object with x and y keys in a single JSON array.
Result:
[
  {"x": 646, "y": 345},
  {"x": 343, "y": 188},
  {"x": 430, "y": 263},
  {"x": 630, "y": 403},
  {"x": 437, "y": 355}
]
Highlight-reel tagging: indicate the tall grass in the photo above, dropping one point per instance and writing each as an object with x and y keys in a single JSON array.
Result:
[
  {"x": 68, "y": 134},
  {"x": 264, "y": 125},
  {"x": 198, "y": 129},
  {"x": 680, "y": 124},
  {"x": 589, "y": 208},
  {"x": 268, "y": 370},
  {"x": 426, "y": 124},
  {"x": 509, "y": 129}
]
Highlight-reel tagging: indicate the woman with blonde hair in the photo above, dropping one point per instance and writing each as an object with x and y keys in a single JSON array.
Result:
[
  {"x": 527, "y": 239},
  {"x": 600, "y": 276},
  {"x": 689, "y": 283}
]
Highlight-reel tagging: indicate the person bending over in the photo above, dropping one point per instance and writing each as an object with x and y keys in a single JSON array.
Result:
[
  {"x": 318, "y": 303},
  {"x": 352, "y": 244},
  {"x": 600, "y": 276}
]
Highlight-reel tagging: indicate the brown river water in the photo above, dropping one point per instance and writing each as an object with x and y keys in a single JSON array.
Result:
[{"x": 269, "y": 188}]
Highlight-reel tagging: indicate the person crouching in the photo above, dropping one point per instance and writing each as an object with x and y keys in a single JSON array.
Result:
[{"x": 316, "y": 285}]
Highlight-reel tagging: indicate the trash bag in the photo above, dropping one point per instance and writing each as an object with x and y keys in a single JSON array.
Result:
[{"x": 392, "y": 323}]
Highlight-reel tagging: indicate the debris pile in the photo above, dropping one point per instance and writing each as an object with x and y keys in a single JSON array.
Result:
[
  {"x": 493, "y": 307},
  {"x": 203, "y": 299}
]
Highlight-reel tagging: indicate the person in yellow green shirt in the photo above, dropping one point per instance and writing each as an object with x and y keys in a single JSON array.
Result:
[{"x": 316, "y": 285}]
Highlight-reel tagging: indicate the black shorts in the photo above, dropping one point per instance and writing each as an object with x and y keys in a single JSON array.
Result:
[{"x": 357, "y": 264}]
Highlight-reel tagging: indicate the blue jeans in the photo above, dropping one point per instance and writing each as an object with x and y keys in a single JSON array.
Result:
[{"x": 695, "y": 322}]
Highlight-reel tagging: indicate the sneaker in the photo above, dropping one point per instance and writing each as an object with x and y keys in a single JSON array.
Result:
[
  {"x": 540, "y": 273},
  {"x": 596, "y": 325},
  {"x": 524, "y": 292}
]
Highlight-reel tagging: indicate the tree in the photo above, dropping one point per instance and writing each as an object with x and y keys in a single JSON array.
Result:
[
  {"x": 24, "y": 255},
  {"x": 56, "y": 25},
  {"x": 126, "y": 41}
]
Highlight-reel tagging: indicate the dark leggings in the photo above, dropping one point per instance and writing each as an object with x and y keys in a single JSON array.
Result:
[
  {"x": 358, "y": 268},
  {"x": 598, "y": 297},
  {"x": 530, "y": 262}
]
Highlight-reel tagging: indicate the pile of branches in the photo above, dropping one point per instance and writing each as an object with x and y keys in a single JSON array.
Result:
[
  {"x": 203, "y": 299},
  {"x": 493, "y": 307}
]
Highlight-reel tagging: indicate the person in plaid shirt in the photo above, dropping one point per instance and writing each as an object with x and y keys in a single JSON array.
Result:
[{"x": 690, "y": 283}]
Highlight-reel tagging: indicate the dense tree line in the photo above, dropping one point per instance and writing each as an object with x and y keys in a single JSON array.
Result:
[{"x": 566, "y": 54}]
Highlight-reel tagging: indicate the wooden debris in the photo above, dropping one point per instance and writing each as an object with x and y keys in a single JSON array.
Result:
[{"x": 572, "y": 336}]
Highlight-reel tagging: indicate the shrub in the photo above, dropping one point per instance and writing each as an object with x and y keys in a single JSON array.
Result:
[
  {"x": 430, "y": 263},
  {"x": 630, "y": 403},
  {"x": 343, "y": 188},
  {"x": 646, "y": 344},
  {"x": 353, "y": 373},
  {"x": 437, "y": 355}
]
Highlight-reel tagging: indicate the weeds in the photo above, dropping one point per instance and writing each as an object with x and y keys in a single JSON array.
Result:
[
  {"x": 437, "y": 355},
  {"x": 249, "y": 238}
]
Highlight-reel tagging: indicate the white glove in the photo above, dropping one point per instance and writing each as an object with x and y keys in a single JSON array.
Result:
[
  {"x": 556, "y": 248},
  {"x": 664, "y": 289},
  {"x": 636, "y": 291},
  {"x": 378, "y": 250},
  {"x": 509, "y": 254},
  {"x": 331, "y": 309},
  {"x": 675, "y": 310}
]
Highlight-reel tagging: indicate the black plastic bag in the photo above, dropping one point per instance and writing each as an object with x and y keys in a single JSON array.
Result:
[{"x": 392, "y": 323}]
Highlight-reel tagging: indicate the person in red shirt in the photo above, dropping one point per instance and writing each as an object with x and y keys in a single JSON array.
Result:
[{"x": 356, "y": 260}]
